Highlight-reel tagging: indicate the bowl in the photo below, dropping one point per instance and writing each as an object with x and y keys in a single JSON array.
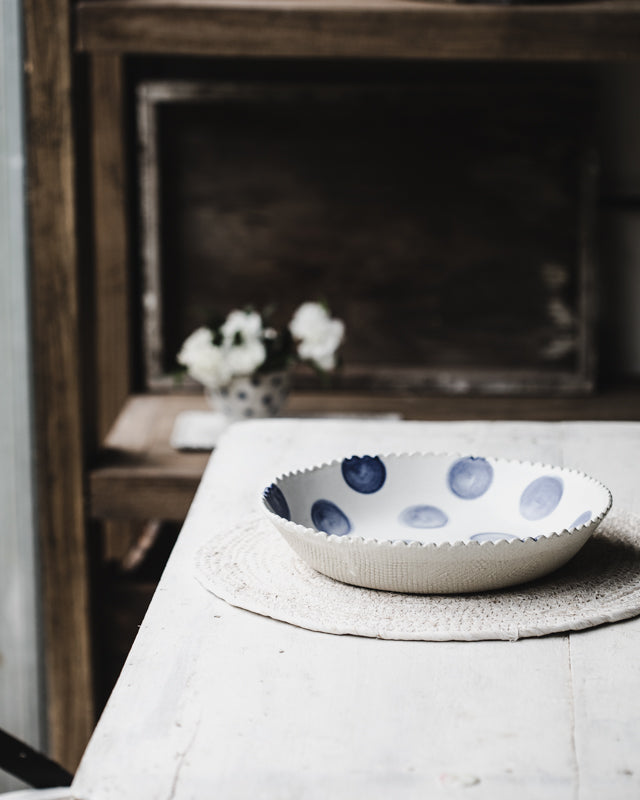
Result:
[{"x": 429, "y": 523}]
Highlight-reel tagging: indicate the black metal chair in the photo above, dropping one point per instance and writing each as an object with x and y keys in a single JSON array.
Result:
[{"x": 35, "y": 769}]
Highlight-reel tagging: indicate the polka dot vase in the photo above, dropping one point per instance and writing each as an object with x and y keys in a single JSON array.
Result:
[{"x": 251, "y": 397}]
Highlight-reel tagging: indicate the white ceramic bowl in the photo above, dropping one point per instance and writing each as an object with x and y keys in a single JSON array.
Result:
[{"x": 435, "y": 523}]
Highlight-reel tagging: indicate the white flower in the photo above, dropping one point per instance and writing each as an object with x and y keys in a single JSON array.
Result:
[
  {"x": 319, "y": 335},
  {"x": 205, "y": 362},
  {"x": 309, "y": 320},
  {"x": 246, "y": 323},
  {"x": 245, "y": 358},
  {"x": 244, "y": 346},
  {"x": 194, "y": 345},
  {"x": 321, "y": 353},
  {"x": 242, "y": 342}
]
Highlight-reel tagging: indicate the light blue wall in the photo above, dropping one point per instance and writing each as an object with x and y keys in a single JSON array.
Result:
[{"x": 21, "y": 706}]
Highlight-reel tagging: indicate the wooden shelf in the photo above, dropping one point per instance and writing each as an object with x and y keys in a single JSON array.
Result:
[
  {"x": 605, "y": 30},
  {"x": 140, "y": 476}
]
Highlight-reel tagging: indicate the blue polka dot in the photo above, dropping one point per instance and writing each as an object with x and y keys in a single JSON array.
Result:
[
  {"x": 541, "y": 497},
  {"x": 582, "y": 519},
  {"x": 364, "y": 474},
  {"x": 423, "y": 517},
  {"x": 492, "y": 537},
  {"x": 277, "y": 502},
  {"x": 470, "y": 477},
  {"x": 327, "y": 517}
]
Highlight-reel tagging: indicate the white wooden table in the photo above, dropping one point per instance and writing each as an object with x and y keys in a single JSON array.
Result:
[{"x": 216, "y": 702}]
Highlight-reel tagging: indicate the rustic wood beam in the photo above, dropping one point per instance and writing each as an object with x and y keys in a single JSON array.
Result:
[
  {"x": 58, "y": 406},
  {"x": 402, "y": 29},
  {"x": 111, "y": 268}
]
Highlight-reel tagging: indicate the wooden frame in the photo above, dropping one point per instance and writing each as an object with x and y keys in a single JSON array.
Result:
[
  {"x": 111, "y": 292},
  {"x": 154, "y": 95},
  {"x": 587, "y": 32},
  {"x": 59, "y": 412}
]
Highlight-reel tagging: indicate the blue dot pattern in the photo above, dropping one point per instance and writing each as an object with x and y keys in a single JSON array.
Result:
[
  {"x": 327, "y": 517},
  {"x": 541, "y": 497},
  {"x": 582, "y": 519},
  {"x": 492, "y": 537},
  {"x": 470, "y": 477},
  {"x": 277, "y": 502},
  {"x": 364, "y": 474},
  {"x": 423, "y": 517}
]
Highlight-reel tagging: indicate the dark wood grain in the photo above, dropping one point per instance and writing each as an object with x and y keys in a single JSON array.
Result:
[
  {"x": 595, "y": 31},
  {"x": 111, "y": 254},
  {"x": 58, "y": 407},
  {"x": 140, "y": 476}
]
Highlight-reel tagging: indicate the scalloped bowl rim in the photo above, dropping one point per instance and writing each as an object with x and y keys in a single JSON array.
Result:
[{"x": 350, "y": 540}]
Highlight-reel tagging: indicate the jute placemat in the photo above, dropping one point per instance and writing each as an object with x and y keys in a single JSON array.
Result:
[{"x": 252, "y": 567}]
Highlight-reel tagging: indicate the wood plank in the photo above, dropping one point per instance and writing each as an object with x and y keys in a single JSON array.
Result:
[
  {"x": 140, "y": 476},
  {"x": 592, "y": 31},
  {"x": 111, "y": 267},
  {"x": 606, "y": 742},
  {"x": 611, "y": 404},
  {"x": 604, "y": 694},
  {"x": 142, "y": 495},
  {"x": 56, "y": 348}
]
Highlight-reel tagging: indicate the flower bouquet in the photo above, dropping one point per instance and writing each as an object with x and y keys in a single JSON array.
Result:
[{"x": 243, "y": 363}]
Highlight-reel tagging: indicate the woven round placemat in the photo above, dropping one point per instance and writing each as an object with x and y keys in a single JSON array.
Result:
[{"x": 252, "y": 567}]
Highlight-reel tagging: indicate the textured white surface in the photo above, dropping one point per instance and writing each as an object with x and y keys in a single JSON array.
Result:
[
  {"x": 218, "y": 702},
  {"x": 251, "y": 567}
]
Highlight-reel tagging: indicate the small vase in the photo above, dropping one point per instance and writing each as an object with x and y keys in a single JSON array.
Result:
[{"x": 252, "y": 396}]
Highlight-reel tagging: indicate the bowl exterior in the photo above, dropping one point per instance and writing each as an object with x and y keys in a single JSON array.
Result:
[{"x": 431, "y": 569}]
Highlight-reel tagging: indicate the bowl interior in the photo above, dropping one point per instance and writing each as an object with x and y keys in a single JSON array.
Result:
[{"x": 437, "y": 498}]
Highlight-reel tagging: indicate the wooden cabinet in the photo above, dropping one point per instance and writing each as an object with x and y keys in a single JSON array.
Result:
[
  {"x": 593, "y": 31},
  {"x": 102, "y": 450}
]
